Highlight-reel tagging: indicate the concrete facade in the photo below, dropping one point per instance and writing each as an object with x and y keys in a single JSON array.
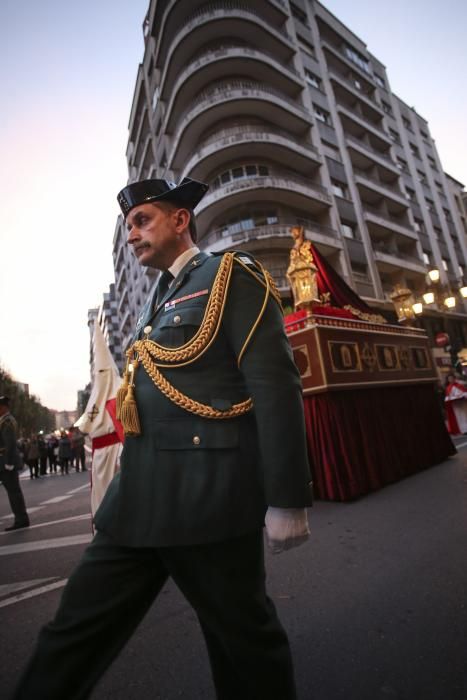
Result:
[{"x": 288, "y": 117}]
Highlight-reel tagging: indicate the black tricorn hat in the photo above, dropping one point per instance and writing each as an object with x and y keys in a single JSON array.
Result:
[
  {"x": 188, "y": 193},
  {"x": 4, "y": 400}
]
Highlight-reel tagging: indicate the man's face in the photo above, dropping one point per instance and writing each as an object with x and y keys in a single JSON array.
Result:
[{"x": 155, "y": 235}]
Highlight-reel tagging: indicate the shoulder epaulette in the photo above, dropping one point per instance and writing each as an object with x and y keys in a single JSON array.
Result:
[{"x": 255, "y": 268}]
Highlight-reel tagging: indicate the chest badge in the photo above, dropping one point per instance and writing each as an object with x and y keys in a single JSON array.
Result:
[{"x": 173, "y": 302}]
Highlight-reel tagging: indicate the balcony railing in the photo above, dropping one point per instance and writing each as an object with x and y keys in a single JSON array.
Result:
[
  {"x": 254, "y": 131},
  {"x": 350, "y": 83},
  {"x": 281, "y": 179},
  {"x": 214, "y": 9},
  {"x": 394, "y": 252},
  {"x": 278, "y": 230},
  {"x": 371, "y": 178},
  {"x": 223, "y": 49},
  {"x": 220, "y": 89},
  {"x": 356, "y": 116},
  {"x": 366, "y": 146}
]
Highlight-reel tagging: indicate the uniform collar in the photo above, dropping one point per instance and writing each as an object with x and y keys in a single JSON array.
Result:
[{"x": 178, "y": 264}]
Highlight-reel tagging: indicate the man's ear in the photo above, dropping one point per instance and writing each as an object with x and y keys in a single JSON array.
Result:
[{"x": 182, "y": 219}]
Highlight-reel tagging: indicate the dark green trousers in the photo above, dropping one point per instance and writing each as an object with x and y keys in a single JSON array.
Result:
[
  {"x": 112, "y": 589},
  {"x": 10, "y": 481}
]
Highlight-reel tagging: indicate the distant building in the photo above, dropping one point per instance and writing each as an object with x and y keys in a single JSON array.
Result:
[
  {"x": 289, "y": 118},
  {"x": 65, "y": 419}
]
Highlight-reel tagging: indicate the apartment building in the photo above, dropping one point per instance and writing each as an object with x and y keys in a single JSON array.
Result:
[{"x": 288, "y": 117}]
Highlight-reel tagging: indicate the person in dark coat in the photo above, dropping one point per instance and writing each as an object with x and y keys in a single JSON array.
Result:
[
  {"x": 52, "y": 448},
  {"x": 64, "y": 452},
  {"x": 10, "y": 464},
  {"x": 215, "y": 448},
  {"x": 32, "y": 457},
  {"x": 42, "y": 455}
]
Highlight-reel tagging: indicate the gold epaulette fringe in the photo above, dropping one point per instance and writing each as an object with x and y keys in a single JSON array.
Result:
[{"x": 154, "y": 356}]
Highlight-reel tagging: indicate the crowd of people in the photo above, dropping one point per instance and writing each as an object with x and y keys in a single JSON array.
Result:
[{"x": 55, "y": 453}]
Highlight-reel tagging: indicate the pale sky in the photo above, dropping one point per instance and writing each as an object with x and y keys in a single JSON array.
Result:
[{"x": 68, "y": 76}]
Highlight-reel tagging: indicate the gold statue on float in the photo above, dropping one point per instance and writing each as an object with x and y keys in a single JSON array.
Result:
[
  {"x": 403, "y": 301},
  {"x": 302, "y": 272}
]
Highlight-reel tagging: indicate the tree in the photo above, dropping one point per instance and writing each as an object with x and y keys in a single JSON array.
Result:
[{"x": 30, "y": 414}]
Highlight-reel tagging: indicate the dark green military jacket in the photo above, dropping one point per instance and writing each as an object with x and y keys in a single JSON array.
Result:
[
  {"x": 187, "y": 479},
  {"x": 9, "y": 453}
]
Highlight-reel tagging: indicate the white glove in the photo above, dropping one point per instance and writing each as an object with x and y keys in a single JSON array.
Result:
[
  {"x": 9, "y": 467},
  {"x": 286, "y": 528}
]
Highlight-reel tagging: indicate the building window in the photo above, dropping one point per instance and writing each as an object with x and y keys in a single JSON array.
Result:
[
  {"x": 402, "y": 165},
  {"x": 386, "y": 107},
  {"x": 299, "y": 14},
  {"x": 394, "y": 136},
  {"x": 338, "y": 188},
  {"x": 421, "y": 177},
  {"x": 414, "y": 150},
  {"x": 312, "y": 79},
  {"x": 419, "y": 226},
  {"x": 426, "y": 258},
  {"x": 155, "y": 99},
  {"x": 447, "y": 215},
  {"x": 239, "y": 173},
  {"x": 306, "y": 47},
  {"x": 321, "y": 115},
  {"x": 445, "y": 264},
  {"x": 461, "y": 271},
  {"x": 407, "y": 123},
  {"x": 432, "y": 163},
  {"x": 357, "y": 58},
  {"x": 379, "y": 80},
  {"x": 430, "y": 205},
  {"x": 424, "y": 134},
  {"x": 348, "y": 231},
  {"x": 410, "y": 194}
]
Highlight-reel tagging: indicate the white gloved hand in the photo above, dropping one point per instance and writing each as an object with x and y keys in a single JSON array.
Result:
[
  {"x": 286, "y": 528},
  {"x": 9, "y": 467}
]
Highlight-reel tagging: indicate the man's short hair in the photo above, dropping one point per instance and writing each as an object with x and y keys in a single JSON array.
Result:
[{"x": 171, "y": 206}]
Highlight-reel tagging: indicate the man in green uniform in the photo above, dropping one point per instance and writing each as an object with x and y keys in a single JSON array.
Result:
[
  {"x": 215, "y": 447},
  {"x": 9, "y": 465}
]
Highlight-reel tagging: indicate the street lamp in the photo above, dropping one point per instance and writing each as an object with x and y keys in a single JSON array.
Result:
[
  {"x": 434, "y": 275},
  {"x": 429, "y": 298}
]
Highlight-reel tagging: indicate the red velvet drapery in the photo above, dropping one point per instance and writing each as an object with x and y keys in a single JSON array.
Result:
[
  {"x": 330, "y": 282},
  {"x": 358, "y": 451}
]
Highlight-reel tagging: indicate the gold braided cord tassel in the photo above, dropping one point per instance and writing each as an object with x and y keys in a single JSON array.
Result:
[
  {"x": 129, "y": 411},
  {"x": 122, "y": 390},
  {"x": 183, "y": 401},
  {"x": 129, "y": 414}
]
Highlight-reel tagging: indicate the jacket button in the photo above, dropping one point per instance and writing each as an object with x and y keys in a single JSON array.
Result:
[
  {"x": 177, "y": 319},
  {"x": 196, "y": 440}
]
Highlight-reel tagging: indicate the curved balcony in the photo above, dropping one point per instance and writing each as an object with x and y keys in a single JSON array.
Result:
[
  {"x": 371, "y": 189},
  {"x": 345, "y": 89},
  {"x": 357, "y": 125},
  {"x": 216, "y": 64},
  {"x": 362, "y": 154},
  {"x": 235, "y": 98},
  {"x": 209, "y": 22},
  {"x": 389, "y": 259},
  {"x": 278, "y": 236},
  {"x": 252, "y": 141},
  {"x": 380, "y": 222},
  {"x": 289, "y": 189}
]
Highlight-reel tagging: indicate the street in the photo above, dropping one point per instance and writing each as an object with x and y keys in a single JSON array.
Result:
[{"x": 374, "y": 604}]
